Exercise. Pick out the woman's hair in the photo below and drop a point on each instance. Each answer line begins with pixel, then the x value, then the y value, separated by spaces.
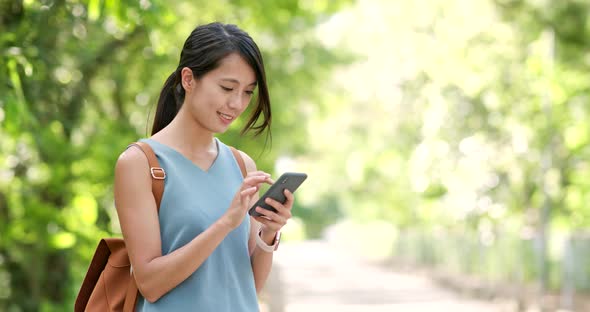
pixel 202 52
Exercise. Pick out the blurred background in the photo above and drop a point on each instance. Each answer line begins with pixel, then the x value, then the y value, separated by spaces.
pixel 447 145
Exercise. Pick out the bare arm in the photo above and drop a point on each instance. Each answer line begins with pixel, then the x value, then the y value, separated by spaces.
pixel 261 260
pixel 156 274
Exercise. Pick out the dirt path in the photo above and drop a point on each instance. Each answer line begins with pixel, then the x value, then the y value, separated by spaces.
pixel 316 277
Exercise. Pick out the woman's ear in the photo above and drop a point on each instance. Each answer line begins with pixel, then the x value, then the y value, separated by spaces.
pixel 187 79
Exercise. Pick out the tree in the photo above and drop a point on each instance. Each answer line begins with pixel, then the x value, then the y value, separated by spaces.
pixel 458 117
pixel 78 79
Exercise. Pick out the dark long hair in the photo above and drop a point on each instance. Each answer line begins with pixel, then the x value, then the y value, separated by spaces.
pixel 202 52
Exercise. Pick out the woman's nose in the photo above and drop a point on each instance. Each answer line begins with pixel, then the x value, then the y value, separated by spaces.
pixel 235 101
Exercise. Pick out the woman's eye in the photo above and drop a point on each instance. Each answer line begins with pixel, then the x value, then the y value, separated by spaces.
pixel 226 88
pixel 249 92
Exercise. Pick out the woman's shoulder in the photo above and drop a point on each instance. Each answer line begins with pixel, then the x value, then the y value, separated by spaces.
pixel 131 159
pixel 248 161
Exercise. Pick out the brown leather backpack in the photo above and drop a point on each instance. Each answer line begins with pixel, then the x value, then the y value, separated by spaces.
pixel 109 284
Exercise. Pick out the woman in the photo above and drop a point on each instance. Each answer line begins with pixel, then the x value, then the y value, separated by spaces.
pixel 201 250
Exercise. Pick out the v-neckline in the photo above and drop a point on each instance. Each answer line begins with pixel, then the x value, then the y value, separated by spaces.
pixel 179 154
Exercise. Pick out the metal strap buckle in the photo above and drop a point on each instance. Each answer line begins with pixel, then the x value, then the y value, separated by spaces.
pixel 161 173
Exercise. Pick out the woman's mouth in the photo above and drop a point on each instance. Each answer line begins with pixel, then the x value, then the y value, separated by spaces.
pixel 225 117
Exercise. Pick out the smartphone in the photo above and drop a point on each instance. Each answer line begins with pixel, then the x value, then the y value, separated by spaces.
pixel 288 180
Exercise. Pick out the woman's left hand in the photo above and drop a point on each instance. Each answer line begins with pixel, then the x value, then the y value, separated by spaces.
pixel 272 222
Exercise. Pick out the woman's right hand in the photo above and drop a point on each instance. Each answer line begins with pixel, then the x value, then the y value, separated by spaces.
pixel 243 198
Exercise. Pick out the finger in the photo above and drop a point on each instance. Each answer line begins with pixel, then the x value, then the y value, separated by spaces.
pixel 256 180
pixel 249 191
pixel 249 184
pixel 290 199
pixel 257 173
pixel 273 203
pixel 261 173
pixel 272 216
pixel 273 226
pixel 282 209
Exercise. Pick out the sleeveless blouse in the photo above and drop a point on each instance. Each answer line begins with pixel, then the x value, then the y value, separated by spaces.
pixel 193 200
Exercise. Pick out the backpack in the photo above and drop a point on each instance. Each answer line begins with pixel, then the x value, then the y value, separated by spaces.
pixel 109 284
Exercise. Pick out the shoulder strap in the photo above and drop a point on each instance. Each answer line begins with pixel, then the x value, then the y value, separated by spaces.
pixel 240 160
pixel 158 174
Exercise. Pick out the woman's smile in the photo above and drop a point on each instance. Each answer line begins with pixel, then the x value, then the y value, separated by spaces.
pixel 225 118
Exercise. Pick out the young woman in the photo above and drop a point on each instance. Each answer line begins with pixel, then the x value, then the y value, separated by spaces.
pixel 201 252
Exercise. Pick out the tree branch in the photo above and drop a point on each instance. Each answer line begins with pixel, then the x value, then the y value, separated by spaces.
pixel 89 70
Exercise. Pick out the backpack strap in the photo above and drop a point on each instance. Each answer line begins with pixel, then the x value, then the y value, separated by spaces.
pixel 99 261
pixel 113 249
pixel 240 161
pixel 158 174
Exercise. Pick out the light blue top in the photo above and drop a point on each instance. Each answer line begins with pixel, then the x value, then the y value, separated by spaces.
pixel 194 199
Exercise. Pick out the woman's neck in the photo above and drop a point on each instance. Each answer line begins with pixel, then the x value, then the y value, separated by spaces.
pixel 185 134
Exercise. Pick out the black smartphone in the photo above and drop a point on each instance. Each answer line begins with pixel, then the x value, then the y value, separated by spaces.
pixel 288 180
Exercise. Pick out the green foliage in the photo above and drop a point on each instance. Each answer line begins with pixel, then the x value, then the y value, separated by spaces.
pixel 78 80
pixel 465 117
pixel 470 116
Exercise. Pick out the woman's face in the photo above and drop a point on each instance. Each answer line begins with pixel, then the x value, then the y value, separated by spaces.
pixel 220 96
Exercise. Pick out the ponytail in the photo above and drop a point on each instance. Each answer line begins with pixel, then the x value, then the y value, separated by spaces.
pixel 169 103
